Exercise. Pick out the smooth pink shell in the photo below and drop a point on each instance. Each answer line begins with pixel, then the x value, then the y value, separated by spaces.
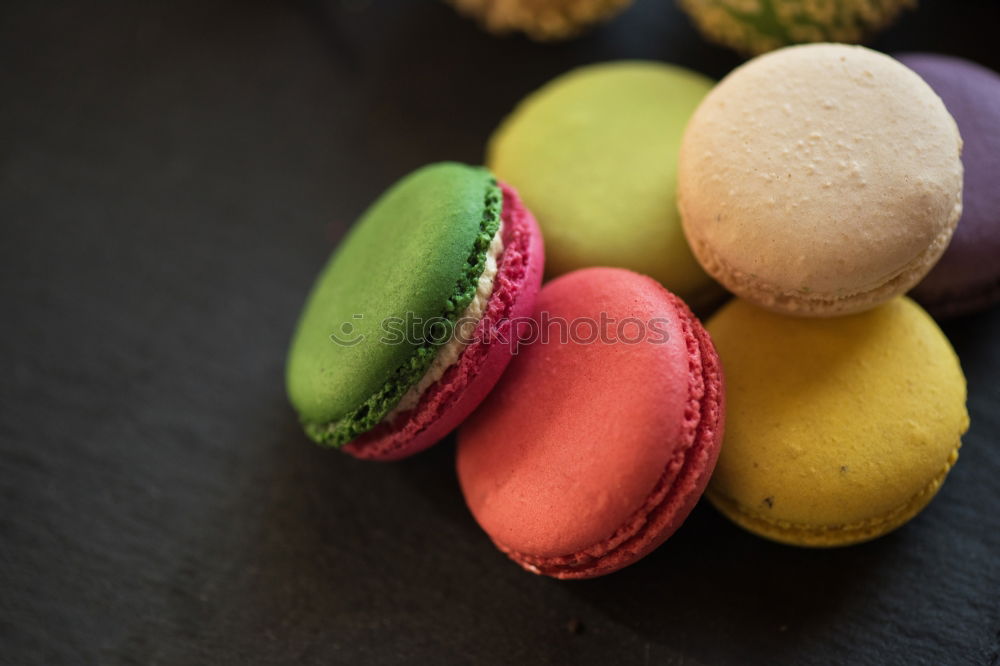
pixel 589 455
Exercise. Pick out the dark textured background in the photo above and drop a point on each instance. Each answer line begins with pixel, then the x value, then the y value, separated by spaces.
pixel 172 175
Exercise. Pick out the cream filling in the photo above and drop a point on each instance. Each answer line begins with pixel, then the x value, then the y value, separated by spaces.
pixel 466 323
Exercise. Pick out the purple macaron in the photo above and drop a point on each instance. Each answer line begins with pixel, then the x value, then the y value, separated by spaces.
pixel 967 278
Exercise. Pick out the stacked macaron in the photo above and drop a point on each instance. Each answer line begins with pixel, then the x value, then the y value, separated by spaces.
pixel 820 180
pixel 817 183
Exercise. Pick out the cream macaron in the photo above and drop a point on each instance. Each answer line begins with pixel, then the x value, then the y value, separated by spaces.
pixel 820 180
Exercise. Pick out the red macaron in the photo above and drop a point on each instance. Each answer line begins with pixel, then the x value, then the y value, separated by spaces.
pixel 601 436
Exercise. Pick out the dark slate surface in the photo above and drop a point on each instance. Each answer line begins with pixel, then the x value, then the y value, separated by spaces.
pixel 172 174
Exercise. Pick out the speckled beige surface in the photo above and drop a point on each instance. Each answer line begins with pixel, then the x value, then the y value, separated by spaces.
pixel 820 180
pixel 542 20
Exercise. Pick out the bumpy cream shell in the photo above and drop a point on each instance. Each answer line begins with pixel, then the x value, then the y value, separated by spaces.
pixel 820 180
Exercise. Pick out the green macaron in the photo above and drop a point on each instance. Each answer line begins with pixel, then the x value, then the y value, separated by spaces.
pixel 594 155
pixel 416 255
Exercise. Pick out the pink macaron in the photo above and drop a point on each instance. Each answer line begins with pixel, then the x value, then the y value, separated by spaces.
pixel 601 436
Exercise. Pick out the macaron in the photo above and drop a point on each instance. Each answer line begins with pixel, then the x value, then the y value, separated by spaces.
pixel 542 20
pixel 601 436
pixel 408 326
pixel 838 430
pixel 820 180
pixel 763 25
pixel 594 154
pixel 967 278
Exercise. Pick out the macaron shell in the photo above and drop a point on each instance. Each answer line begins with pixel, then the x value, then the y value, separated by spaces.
pixel 597 146
pixel 807 535
pixel 838 430
pixel 820 179
pixel 561 462
pixel 408 256
pixel 450 400
pixel 679 488
pixel 967 278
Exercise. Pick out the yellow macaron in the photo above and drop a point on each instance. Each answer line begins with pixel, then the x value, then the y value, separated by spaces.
pixel 837 430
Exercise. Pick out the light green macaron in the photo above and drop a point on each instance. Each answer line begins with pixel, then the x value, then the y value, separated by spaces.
pixel 593 154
